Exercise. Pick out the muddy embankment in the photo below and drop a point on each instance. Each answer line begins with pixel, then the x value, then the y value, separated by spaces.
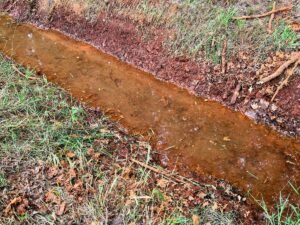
pixel 120 37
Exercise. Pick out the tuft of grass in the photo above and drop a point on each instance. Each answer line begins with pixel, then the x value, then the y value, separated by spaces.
pixel 284 211
pixel 3 181
pixel 285 38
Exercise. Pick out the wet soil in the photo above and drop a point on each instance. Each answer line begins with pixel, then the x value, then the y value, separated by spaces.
pixel 120 37
pixel 189 132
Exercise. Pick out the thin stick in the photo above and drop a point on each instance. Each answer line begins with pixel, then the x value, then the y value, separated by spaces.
pixel 280 70
pixel 271 18
pixel 235 94
pixel 176 178
pixel 265 14
pixel 22 74
pixel 286 80
pixel 224 56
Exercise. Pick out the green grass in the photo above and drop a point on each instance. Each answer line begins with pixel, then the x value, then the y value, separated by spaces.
pixel 285 38
pixel 39 120
pixel 284 212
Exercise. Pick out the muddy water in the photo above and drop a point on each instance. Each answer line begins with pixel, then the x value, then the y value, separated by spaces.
pixel 207 137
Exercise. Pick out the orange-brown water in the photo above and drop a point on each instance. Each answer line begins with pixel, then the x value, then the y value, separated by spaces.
pixel 206 136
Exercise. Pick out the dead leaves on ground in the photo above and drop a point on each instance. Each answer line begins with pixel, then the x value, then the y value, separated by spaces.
pixel 19 204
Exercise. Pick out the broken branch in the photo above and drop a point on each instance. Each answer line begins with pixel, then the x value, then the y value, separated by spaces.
pixel 286 80
pixel 176 178
pixel 235 94
pixel 271 18
pixel 224 56
pixel 281 69
pixel 265 14
pixel 22 74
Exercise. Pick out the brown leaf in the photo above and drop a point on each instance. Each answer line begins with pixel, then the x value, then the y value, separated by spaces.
pixel 215 206
pixel 11 204
pixel 90 152
pixel 52 172
pixel 97 155
pixel 202 195
pixel 162 183
pixel 72 173
pixel 226 138
pixel 21 209
pixel 51 197
pixel 78 186
pixel 70 154
pixel 196 220
pixel 61 209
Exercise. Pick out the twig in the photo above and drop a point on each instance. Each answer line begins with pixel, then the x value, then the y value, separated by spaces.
pixel 235 94
pixel 271 18
pixel 281 69
pixel 224 56
pixel 264 14
pixel 286 80
pixel 12 5
pixel 22 74
pixel 176 178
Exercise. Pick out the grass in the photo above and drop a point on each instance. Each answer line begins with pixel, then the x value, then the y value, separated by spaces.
pixel 285 38
pixel 42 129
pixel 284 212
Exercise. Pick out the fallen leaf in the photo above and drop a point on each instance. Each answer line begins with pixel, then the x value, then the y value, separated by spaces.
pixel 226 138
pixel 215 207
pixel 11 204
pixel 97 155
pixel 52 172
pixel 196 220
pixel 70 154
pixel 202 195
pixel 61 209
pixel 162 183
pixel 22 208
pixel 72 173
pixel 90 152
pixel 205 204
pixel 51 197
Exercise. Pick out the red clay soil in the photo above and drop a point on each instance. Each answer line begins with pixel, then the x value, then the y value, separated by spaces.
pixel 119 37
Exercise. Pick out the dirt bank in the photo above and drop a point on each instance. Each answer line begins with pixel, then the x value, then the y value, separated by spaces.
pixel 121 36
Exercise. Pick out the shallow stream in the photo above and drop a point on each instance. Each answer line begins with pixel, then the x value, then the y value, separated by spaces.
pixel 207 137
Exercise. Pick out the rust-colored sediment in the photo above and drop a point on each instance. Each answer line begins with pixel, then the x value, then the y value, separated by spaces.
pixel 207 137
